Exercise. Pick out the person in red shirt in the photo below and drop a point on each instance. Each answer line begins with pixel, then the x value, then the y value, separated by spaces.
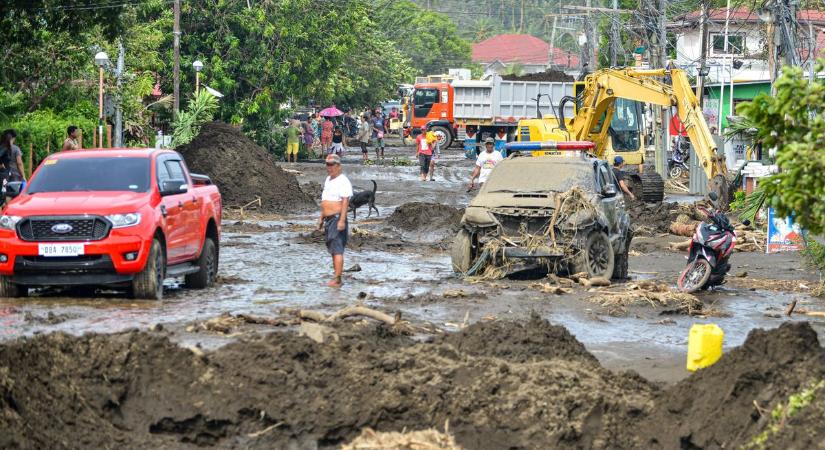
pixel 424 153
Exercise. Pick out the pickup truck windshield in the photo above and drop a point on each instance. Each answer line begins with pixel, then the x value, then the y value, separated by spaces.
pixel 92 174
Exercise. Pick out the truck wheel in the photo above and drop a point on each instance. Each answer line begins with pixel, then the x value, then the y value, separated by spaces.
pixel 621 260
pixel 208 264
pixel 445 138
pixel 596 258
pixel 461 252
pixel 11 290
pixel 653 187
pixel 148 284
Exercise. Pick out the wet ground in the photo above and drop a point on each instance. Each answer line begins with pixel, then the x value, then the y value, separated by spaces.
pixel 270 265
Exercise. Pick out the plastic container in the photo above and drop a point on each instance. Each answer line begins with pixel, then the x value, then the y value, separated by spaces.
pixel 704 346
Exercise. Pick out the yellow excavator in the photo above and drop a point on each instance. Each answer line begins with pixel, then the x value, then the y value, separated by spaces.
pixel 607 111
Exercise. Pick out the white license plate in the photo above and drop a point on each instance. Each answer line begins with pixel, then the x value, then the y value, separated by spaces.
pixel 61 249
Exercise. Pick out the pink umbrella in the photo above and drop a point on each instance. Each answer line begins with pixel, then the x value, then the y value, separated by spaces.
pixel 332 111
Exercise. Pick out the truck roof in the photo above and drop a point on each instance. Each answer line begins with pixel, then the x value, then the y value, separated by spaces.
pixel 111 153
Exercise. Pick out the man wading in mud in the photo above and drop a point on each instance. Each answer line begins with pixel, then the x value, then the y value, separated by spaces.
pixel 485 163
pixel 334 204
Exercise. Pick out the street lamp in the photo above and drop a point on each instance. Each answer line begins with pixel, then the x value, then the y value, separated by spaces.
pixel 101 59
pixel 198 66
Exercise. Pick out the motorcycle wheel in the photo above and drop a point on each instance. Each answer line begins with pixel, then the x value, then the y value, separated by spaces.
pixel 695 276
pixel 676 172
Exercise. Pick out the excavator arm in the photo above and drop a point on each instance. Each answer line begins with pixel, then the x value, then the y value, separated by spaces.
pixel 602 88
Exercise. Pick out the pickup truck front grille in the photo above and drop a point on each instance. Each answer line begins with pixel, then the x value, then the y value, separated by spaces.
pixel 50 229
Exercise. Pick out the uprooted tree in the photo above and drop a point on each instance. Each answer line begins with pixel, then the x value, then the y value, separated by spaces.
pixel 791 122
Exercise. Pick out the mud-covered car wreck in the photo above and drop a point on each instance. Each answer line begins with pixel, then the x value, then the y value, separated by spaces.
pixel 559 212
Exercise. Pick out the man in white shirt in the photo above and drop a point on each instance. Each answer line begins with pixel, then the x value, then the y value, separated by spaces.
pixel 485 163
pixel 333 220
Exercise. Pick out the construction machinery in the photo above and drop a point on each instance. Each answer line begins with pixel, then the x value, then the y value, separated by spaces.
pixel 607 111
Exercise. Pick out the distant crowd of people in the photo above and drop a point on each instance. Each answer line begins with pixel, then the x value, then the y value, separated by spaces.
pixel 328 135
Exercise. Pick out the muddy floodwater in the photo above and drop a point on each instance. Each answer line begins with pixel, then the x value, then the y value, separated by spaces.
pixel 269 265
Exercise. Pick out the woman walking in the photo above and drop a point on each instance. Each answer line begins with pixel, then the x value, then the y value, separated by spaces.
pixel 326 134
pixel 337 142
pixel 308 137
pixel 11 157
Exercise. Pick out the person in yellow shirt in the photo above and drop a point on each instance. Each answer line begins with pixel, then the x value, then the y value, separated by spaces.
pixel 432 140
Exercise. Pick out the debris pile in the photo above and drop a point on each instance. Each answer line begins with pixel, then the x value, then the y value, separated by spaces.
pixel 245 173
pixel 657 295
pixel 414 440
pixel 548 75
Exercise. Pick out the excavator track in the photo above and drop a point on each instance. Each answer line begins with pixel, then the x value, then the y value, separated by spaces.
pixel 653 187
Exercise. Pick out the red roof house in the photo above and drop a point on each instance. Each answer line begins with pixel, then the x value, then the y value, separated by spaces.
pixel 521 49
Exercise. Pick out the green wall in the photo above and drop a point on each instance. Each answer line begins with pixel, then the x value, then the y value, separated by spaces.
pixel 740 92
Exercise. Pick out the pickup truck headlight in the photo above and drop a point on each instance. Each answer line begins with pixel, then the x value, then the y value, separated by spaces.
pixel 124 220
pixel 9 222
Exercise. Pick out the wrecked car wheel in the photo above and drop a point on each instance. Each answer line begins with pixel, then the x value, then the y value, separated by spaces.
pixel 596 257
pixel 621 259
pixel 461 251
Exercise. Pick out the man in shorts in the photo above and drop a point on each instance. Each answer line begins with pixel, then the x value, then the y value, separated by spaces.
pixel 334 204
pixel 485 163
pixel 292 142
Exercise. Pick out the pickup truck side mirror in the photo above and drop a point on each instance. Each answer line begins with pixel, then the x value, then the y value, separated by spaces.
pixel 609 190
pixel 14 188
pixel 173 187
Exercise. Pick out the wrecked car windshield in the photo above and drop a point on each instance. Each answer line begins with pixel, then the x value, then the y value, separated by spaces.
pixel 533 176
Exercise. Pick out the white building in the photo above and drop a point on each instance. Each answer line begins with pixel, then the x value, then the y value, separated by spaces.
pixel 747 43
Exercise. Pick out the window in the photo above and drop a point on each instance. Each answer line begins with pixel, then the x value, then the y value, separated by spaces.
pixel 736 44
pixel 424 96
pixel 163 174
pixel 92 175
pixel 175 169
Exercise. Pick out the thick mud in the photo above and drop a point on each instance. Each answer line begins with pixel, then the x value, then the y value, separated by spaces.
pixel 527 385
pixel 244 171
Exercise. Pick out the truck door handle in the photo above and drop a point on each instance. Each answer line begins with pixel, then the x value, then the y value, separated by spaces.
pixel 163 211
pixel 180 204
pixel 194 200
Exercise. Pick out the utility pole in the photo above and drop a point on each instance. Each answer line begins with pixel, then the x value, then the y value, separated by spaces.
pixel 119 97
pixel 553 41
pixel 661 150
pixel 703 56
pixel 614 35
pixel 176 46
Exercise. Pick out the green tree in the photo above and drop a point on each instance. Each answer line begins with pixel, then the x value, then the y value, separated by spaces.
pixel 791 121
pixel 429 39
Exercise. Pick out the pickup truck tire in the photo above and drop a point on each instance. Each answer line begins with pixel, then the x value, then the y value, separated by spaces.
pixel 596 257
pixel 621 260
pixel 461 252
pixel 208 264
pixel 148 284
pixel 11 290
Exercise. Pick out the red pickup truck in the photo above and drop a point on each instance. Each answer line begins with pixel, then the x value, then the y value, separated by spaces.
pixel 128 218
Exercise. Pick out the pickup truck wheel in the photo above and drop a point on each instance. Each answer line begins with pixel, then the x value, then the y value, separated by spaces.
pixel 11 290
pixel 596 258
pixel 461 252
pixel 148 284
pixel 621 259
pixel 208 264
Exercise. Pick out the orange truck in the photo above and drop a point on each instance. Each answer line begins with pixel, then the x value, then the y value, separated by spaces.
pixel 448 107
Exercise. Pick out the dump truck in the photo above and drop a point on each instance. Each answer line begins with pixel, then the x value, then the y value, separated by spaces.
pixel 447 108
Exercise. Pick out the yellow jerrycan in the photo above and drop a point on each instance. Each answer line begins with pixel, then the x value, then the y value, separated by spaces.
pixel 704 346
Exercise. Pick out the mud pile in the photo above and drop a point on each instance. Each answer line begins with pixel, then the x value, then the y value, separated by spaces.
pixel 717 406
pixel 243 170
pixel 548 75
pixel 432 221
pixel 501 385
pixel 652 217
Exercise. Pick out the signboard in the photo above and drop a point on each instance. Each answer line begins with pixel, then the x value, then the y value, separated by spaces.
pixel 783 234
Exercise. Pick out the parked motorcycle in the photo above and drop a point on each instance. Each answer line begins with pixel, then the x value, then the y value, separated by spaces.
pixel 677 165
pixel 709 250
